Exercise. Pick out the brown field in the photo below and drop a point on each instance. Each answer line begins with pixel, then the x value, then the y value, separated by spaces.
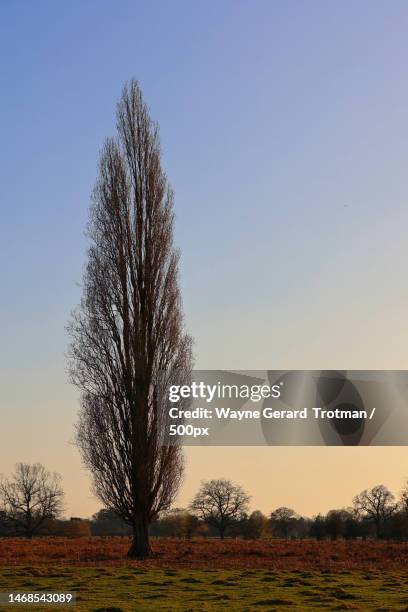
pixel 210 553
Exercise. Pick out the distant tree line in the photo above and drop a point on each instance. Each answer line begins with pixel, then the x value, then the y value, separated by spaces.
pixel 220 509
pixel 375 513
pixel 31 503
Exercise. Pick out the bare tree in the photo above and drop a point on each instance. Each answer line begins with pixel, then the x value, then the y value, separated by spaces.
pixel 220 503
pixel 32 496
pixel 128 330
pixel 375 505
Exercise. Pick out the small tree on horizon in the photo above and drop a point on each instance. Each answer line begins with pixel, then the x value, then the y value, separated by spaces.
pixel 129 330
pixel 220 503
pixel 377 506
pixel 281 520
pixel 254 526
pixel 403 501
pixel 31 497
pixel 338 521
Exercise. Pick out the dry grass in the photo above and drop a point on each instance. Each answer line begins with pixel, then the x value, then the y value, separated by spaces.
pixel 210 553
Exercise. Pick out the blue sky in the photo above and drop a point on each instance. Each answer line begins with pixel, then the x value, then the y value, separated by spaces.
pixel 285 136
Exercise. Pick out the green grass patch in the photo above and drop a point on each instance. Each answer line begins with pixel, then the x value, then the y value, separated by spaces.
pixel 127 589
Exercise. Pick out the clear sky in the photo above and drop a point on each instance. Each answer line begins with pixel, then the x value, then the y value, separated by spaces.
pixel 285 136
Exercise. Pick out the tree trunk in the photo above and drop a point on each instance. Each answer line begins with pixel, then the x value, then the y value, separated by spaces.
pixel 140 547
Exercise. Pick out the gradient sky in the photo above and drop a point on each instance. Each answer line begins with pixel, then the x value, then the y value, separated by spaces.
pixel 285 136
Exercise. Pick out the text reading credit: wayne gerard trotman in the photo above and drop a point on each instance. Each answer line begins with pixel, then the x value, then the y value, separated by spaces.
pixel 295 407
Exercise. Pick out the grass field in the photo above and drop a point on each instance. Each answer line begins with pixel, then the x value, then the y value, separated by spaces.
pixel 207 575
pixel 138 589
